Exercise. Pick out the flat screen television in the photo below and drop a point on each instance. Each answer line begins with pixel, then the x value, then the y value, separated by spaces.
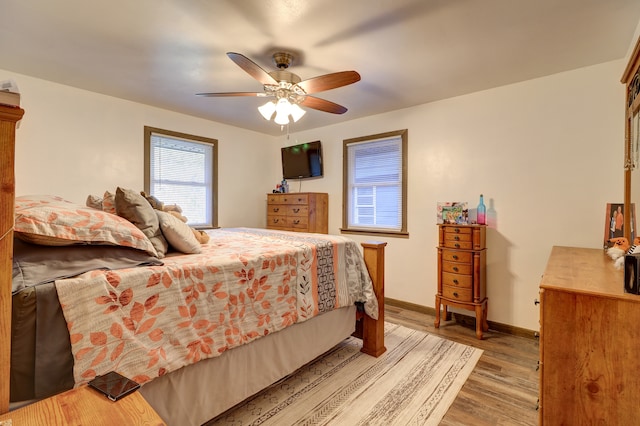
pixel 302 161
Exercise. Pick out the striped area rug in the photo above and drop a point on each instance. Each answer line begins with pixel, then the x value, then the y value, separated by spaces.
pixel 413 383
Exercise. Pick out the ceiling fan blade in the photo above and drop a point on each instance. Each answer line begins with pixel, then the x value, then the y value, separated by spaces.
pixel 329 81
pixel 323 105
pixel 251 68
pixel 259 94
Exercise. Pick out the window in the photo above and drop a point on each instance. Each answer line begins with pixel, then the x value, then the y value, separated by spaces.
pixel 375 184
pixel 182 169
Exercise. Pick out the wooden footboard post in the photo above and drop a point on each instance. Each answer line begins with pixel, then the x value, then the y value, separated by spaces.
pixel 9 116
pixel 373 330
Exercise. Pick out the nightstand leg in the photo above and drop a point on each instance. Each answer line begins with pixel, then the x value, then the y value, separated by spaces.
pixel 437 322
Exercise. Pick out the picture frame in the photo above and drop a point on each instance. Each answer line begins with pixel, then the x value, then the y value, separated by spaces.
pixel 614 223
pixel 453 212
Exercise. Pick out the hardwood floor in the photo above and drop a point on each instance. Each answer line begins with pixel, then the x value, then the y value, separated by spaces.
pixel 502 389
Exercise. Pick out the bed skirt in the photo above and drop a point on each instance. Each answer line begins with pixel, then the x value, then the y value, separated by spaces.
pixel 199 392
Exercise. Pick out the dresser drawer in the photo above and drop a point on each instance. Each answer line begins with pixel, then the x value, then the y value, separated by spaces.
pixel 459 294
pixel 297 222
pixel 458 240
pixel 457 268
pixel 276 221
pixel 457 230
pixel 297 211
pixel 457 280
pixel 277 209
pixel 457 256
pixel 295 199
pixel 275 198
pixel 462 245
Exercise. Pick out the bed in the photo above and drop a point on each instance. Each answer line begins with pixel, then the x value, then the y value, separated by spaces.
pixel 186 316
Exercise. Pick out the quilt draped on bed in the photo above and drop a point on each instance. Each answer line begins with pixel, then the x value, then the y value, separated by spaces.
pixel 145 322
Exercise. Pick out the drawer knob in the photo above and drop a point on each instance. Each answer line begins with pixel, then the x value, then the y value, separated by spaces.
pixel 456 229
pixel 299 200
pixel 276 220
pixel 457 238
pixel 295 222
pixel 276 209
pixel 457 245
pixel 455 268
pixel 455 257
pixel 296 210
pixel 456 281
pixel 455 294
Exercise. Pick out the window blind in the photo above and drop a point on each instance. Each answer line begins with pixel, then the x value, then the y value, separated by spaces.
pixel 375 184
pixel 182 174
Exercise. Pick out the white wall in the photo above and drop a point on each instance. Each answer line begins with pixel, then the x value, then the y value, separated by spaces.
pixel 73 143
pixel 547 155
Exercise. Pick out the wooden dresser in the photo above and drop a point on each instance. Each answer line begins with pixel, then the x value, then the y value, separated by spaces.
pixel 462 272
pixel 589 341
pixel 298 211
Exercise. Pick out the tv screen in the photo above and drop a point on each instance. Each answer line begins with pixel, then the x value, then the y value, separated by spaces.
pixel 302 161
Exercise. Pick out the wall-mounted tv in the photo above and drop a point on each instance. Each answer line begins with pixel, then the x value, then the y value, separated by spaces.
pixel 302 161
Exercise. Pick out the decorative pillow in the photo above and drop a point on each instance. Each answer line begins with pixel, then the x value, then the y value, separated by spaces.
pixel 38 264
pixel 109 202
pixel 53 221
pixel 178 234
pixel 94 202
pixel 137 210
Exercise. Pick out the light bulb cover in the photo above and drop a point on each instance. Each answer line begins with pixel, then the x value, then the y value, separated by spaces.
pixel 281 118
pixel 267 110
pixel 297 112
pixel 283 106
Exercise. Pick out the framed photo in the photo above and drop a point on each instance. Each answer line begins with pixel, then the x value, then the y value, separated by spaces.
pixel 453 212
pixel 614 223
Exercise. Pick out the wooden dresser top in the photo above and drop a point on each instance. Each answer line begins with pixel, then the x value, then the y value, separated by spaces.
pixel 584 270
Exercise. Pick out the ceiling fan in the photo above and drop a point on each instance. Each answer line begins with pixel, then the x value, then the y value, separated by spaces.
pixel 289 90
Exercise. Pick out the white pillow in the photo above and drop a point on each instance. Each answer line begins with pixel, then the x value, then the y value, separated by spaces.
pixel 179 235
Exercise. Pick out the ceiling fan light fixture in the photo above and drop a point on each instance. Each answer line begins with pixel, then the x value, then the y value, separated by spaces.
pixel 283 109
pixel 288 89
pixel 283 106
pixel 281 119
pixel 297 112
pixel 267 110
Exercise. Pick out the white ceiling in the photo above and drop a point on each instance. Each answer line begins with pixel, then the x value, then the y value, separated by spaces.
pixel 408 52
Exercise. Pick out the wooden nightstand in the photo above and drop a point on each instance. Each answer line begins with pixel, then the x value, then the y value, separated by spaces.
pixel 461 272
pixel 85 406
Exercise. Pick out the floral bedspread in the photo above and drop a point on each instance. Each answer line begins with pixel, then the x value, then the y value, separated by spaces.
pixel 145 322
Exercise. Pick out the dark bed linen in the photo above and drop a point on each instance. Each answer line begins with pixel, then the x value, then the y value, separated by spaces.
pixel 35 264
pixel 51 371
pixel 37 316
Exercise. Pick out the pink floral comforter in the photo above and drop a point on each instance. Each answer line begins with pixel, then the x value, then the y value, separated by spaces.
pixel 145 322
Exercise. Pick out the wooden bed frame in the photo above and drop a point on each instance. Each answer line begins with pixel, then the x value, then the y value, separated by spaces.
pixel 369 330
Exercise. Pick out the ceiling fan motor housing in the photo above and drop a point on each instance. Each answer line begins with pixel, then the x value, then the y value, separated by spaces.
pixel 283 60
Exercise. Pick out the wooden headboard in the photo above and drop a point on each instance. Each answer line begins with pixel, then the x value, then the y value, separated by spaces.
pixel 9 116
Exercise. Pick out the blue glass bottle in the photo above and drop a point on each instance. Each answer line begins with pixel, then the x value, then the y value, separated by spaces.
pixel 482 212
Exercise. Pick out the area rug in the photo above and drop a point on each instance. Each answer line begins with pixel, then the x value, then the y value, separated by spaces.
pixel 413 383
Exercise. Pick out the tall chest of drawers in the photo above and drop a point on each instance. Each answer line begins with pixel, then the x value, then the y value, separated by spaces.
pixel 462 272
pixel 298 211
